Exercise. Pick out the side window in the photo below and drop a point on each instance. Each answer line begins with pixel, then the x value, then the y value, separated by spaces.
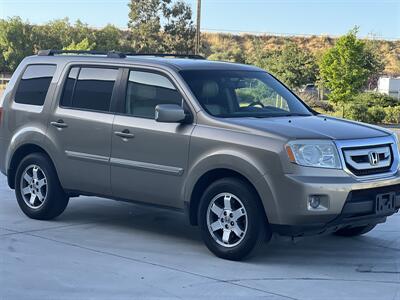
pixel 89 88
pixel 146 90
pixel 34 84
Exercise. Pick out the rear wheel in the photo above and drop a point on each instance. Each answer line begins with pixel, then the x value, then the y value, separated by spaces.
pixel 37 188
pixel 232 219
pixel 354 231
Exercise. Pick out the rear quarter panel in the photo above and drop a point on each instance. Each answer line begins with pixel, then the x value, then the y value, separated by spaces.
pixel 22 123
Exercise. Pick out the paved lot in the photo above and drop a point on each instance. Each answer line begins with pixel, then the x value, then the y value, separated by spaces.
pixel 101 249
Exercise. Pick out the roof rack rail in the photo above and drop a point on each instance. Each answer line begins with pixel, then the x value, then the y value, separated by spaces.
pixel 115 54
pixel 52 52
pixel 192 56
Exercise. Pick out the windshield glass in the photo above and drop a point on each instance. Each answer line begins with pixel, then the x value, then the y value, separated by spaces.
pixel 229 94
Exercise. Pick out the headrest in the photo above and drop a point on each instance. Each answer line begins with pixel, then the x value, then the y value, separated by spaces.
pixel 210 89
pixel 146 91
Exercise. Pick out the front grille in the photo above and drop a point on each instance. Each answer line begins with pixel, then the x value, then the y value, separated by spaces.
pixel 364 161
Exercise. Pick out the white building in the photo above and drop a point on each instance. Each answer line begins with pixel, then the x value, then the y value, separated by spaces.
pixel 389 86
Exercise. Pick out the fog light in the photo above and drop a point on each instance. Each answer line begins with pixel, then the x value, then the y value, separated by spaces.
pixel 314 201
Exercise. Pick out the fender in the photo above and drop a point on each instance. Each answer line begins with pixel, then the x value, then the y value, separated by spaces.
pixel 238 162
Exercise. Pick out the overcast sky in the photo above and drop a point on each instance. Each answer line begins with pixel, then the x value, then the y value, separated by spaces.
pixel 333 17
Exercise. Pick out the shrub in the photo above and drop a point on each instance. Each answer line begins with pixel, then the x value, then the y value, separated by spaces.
pixel 392 114
pixel 359 111
pixel 375 114
pixel 372 99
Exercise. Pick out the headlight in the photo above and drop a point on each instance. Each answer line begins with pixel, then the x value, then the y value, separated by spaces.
pixel 320 154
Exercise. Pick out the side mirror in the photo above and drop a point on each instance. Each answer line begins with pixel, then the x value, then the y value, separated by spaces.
pixel 169 113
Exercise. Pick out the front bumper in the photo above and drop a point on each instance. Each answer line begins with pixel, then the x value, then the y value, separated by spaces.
pixel 350 202
pixel 358 210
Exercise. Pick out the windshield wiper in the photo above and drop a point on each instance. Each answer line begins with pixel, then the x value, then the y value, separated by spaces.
pixel 292 115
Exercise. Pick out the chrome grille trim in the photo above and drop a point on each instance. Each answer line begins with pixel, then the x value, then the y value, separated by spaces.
pixel 360 144
pixel 351 154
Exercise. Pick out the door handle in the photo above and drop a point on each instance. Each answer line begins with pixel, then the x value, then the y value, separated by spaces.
pixel 59 124
pixel 125 134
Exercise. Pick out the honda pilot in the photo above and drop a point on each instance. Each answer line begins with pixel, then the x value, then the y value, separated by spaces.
pixel 227 144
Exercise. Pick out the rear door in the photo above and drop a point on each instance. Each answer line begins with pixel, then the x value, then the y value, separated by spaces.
pixel 149 158
pixel 81 126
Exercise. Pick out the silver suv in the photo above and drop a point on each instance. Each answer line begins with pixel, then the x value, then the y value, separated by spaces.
pixel 227 144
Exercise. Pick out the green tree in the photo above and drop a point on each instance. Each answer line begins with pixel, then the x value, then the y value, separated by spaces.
pixel 81 31
pixel 108 38
pixel 175 33
pixel 145 25
pixel 293 65
pixel 60 34
pixel 179 31
pixel 56 34
pixel 15 43
pixel 82 45
pixel 345 68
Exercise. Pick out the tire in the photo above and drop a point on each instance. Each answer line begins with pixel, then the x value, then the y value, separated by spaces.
pixel 354 231
pixel 37 188
pixel 244 224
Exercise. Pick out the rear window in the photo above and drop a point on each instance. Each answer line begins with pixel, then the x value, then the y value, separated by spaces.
pixel 34 84
pixel 89 88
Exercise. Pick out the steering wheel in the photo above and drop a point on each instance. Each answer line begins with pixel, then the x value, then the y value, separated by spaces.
pixel 254 103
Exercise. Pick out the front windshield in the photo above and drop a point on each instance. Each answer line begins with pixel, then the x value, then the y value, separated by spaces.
pixel 230 94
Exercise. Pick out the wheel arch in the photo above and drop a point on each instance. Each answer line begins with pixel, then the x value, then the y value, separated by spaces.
pixel 17 156
pixel 206 179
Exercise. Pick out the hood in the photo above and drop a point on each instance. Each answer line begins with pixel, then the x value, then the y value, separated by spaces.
pixel 311 127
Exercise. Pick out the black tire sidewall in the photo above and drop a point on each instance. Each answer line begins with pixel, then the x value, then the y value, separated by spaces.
pixel 56 200
pixel 256 221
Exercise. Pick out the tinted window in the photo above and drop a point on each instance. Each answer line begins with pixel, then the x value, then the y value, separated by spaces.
pixel 34 84
pixel 146 90
pixel 89 88
pixel 69 87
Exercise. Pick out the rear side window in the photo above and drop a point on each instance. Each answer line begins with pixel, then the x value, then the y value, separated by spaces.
pixel 34 84
pixel 146 90
pixel 89 88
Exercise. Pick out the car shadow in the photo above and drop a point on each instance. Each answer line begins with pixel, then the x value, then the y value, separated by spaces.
pixel 123 216
pixel 328 250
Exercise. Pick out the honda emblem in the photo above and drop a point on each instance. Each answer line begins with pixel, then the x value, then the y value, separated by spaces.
pixel 373 158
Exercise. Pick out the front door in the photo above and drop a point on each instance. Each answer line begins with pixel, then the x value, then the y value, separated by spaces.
pixel 149 158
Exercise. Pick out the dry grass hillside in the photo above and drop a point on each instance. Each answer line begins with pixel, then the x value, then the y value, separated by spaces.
pixel 316 44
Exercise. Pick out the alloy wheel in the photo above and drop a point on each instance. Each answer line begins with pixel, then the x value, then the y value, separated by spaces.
pixel 34 186
pixel 227 219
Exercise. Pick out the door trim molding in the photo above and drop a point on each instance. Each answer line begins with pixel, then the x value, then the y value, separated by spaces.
pixel 87 157
pixel 125 163
pixel 146 166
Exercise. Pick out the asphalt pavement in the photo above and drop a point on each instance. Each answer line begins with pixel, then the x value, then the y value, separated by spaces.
pixel 103 249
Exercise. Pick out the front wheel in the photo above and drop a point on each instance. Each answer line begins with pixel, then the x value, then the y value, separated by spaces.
pixel 37 188
pixel 232 219
pixel 354 231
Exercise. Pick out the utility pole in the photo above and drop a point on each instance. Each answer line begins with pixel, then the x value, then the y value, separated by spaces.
pixel 197 45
